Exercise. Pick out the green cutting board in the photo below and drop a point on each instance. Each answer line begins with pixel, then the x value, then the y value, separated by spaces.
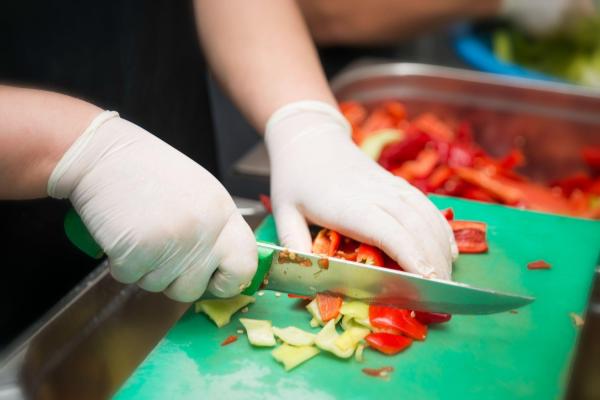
pixel 503 356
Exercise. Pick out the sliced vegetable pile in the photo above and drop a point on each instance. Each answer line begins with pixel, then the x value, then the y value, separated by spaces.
pixel 442 157
pixel 388 330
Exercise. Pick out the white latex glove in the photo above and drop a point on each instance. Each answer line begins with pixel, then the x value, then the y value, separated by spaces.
pixel 544 16
pixel 318 173
pixel 163 220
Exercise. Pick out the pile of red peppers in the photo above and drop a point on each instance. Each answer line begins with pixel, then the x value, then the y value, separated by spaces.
pixel 441 157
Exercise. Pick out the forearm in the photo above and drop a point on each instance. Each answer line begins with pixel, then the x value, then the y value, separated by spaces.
pixel 376 22
pixel 36 128
pixel 262 54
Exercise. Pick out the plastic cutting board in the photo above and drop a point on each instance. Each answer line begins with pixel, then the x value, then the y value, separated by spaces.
pixel 502 356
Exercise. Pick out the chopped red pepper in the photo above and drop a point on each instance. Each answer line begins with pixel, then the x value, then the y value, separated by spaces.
pixel 388 343
pixel 266 202
pixel 438 177
pixel 513 159
pixel 505 193
pixel 229 340
pixel 422 167
pixel 369 255
pixel 434 127
pixel 327 242
pixel 394 154
pixel 396 110
pixel 540 264
pixel 378 372
pixel 591 156
pixel 329 306
pixel 354 112
pixel 298 296
pixel 470 236
pixel 397 320
pixel 448 213
pixel 428 318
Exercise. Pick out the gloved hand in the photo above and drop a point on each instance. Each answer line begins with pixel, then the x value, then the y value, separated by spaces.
pixel 318 173
pixel 163 220
pixel 543 16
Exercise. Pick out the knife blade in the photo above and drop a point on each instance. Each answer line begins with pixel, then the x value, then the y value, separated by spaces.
pixel 309 274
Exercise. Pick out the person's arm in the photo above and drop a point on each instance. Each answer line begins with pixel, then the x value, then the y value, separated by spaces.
pixel 378 22
pixel 36 128
pixel 164 221
pixel 260 51
pixel 262 54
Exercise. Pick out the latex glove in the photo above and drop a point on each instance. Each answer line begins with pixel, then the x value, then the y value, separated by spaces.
pixel 163 220
pixel 544 16
pixel 318 173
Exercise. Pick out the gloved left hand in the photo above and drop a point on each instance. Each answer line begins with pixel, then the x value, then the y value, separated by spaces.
pixel 317 173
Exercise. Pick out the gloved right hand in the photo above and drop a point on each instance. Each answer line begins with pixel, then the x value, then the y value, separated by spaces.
pixel 543 16
pixel 163 220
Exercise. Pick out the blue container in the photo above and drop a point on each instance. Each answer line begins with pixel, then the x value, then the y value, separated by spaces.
pixel 475 48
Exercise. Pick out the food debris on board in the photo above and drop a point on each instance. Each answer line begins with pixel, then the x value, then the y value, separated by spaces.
pixel 229 340
pixel 540 264
pixel 440 156
pixel 577 319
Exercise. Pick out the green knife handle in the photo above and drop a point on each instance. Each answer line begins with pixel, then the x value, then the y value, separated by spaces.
pixel 78 234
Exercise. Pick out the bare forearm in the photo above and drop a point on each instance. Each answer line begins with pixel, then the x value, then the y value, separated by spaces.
pixel 376 22
pixel 36 128
pixel 262 54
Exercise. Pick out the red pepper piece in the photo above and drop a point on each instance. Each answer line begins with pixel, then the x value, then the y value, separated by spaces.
pixel 513 159
pixel 470 236
pixel 396 110
pixel 390 263
pixel 229 340
pixel 394 154
pixel 464 132
pixel 369 255
pixel 397 320
pixel 422 167
pixel 327 242
pixel 388 343
pixel 354 112
pixel 473 193
pixel 580 180
pixel 540 264
pixel 459 155
pixel 378 372
pixel 298 296
pixel 428 318
pixel 329 306
pixel 506 193
pixel 266 202
pixel 448 213
pixel 434 127
pixel 591 156
pixel 438 177
pixel 378 119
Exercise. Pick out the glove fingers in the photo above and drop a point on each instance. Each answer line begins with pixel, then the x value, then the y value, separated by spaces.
pixel 236 247
pixel 192 284
pixel 406 216
pixel 292 228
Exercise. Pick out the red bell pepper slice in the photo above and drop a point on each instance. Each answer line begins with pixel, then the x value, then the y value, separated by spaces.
pixel 327 242
pixel 448 213
pixel 438 177
pixel 329 306
pixel 429 318
pixel 266 202
pixel 540 264
pixel 513 159
pixel 504 192
pixel 298 296
pixel 378 372
pixel 388 343
pixel 229 340
pixel 378 119
pixel 470 236
pixel 369 255
pixel 397 320
pixel 591 156
pixel 394 154
pixel 580 180
pixel 354 112
pixel 422 167
pixel 396 110
pixel 434 127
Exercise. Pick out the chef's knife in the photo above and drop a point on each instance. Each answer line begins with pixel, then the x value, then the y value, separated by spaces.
pixel 307 274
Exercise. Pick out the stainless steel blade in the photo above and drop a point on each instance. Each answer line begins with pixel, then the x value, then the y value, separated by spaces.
pixel 309 274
